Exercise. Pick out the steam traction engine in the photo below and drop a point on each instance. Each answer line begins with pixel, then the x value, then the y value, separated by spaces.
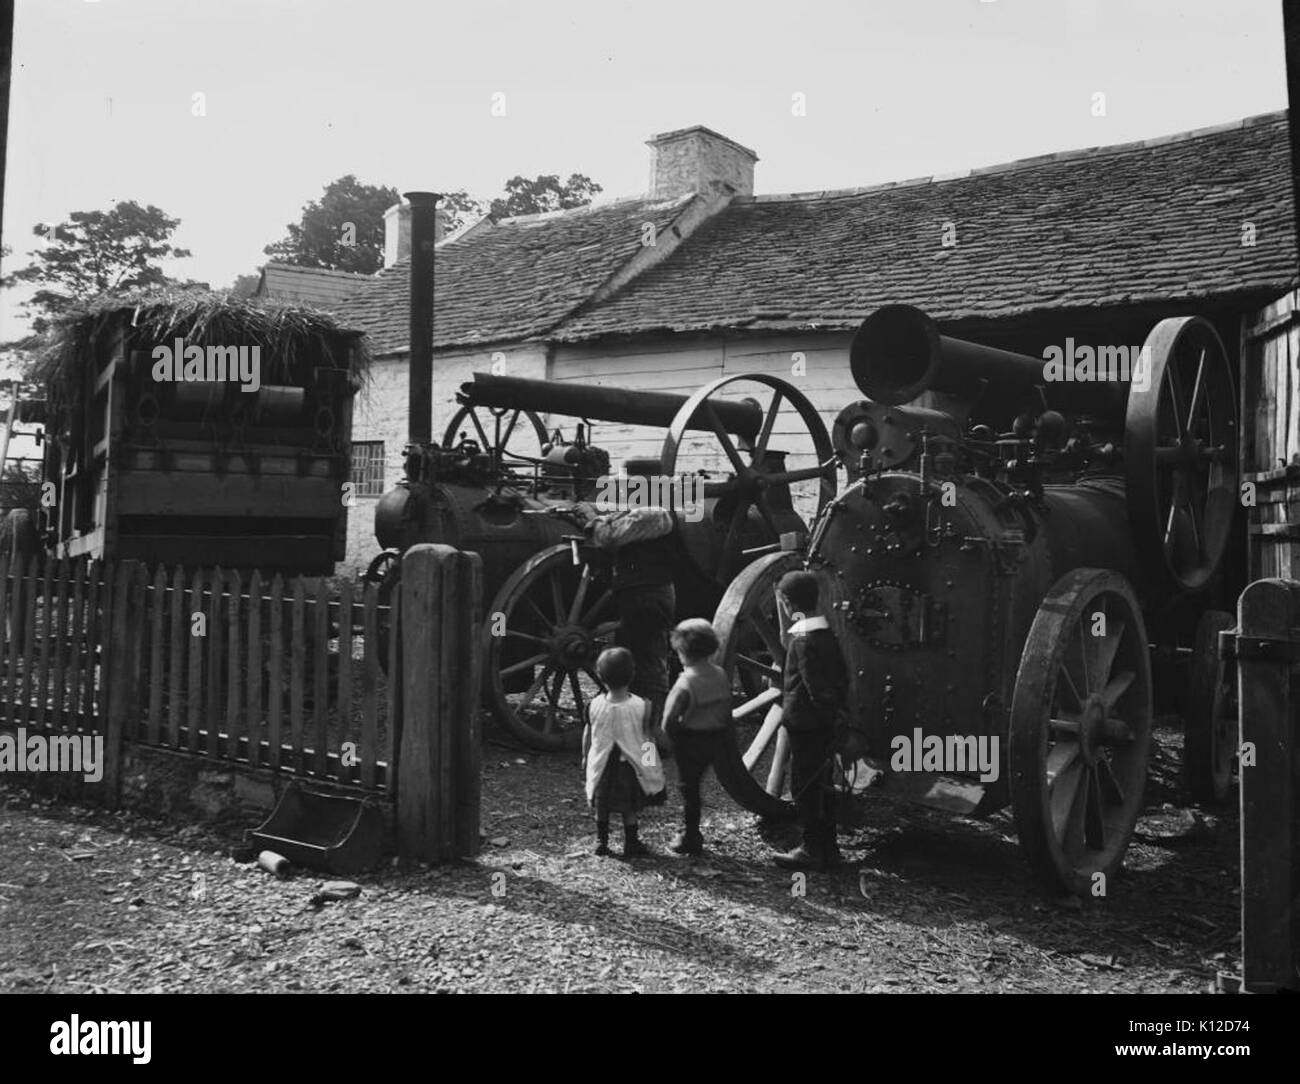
pixel 1006 578
pixel 498 484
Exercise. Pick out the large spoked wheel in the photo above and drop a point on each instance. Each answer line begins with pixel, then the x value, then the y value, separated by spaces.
pixel 759 478
pixel 541 637
pixel 754 769
pixel 1080 729
pixel 1210 734
pixel 1180 453
pixel 383 566
pixel 507 433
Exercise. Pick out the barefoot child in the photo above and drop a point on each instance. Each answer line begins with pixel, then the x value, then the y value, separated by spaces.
pixel 621 761
pixel 696 717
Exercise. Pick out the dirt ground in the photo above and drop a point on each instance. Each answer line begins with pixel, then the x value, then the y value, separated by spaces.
pixel 927 902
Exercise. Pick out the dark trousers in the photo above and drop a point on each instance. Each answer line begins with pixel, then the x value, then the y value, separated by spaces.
pixel 647 615
pixel 810 786
pixel 695 751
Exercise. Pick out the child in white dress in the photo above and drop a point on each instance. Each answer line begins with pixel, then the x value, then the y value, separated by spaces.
pixel 621 761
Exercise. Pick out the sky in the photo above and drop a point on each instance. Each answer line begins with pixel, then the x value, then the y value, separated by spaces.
pixel 299 92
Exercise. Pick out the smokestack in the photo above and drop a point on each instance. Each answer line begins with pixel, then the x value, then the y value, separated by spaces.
pixel 424 211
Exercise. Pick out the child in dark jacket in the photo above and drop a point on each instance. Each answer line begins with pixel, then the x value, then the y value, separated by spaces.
pixel 816 686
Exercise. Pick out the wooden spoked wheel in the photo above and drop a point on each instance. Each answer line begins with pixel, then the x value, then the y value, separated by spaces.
pixel 1180 453
pixel 1210 736
pixel 508 434
pixel 1080 729
pixel 754 770
pixel 541 637
pixel 748 505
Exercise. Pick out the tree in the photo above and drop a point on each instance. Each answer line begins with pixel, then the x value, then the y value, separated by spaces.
pixel 95 252
pixel 456 209
pixel 544 193
pixel 343 230
pixel 245 285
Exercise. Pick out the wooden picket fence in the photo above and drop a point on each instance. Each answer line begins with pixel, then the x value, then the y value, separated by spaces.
pixel 278 674
pixel 282 677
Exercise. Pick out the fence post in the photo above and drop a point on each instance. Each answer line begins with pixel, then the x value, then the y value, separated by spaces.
pixel 1267 640
pixel 462 625
pixel 438 776
pixel 120 672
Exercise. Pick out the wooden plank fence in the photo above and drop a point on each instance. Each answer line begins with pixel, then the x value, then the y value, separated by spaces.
pixel 288 676
pixel 206 662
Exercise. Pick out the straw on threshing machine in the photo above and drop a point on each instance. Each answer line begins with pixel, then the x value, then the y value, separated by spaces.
pixel 500 486
pixel 999 569
pixel 196 471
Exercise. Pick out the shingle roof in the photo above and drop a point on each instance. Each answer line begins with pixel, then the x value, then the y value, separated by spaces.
pixel 314 285
pixel 1154 221
pixel 514 281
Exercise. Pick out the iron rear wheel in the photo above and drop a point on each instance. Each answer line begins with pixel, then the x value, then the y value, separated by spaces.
pixel 750 651
pixel 1180 454
pixel 1210 733
pixel 541 637
pixel 1080 729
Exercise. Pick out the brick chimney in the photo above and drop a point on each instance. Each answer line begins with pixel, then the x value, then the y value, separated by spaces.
pixel 397 232
pixel 691 159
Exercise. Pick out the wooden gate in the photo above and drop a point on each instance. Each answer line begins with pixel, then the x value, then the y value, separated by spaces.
pixel 1266 645
pixel 1266 648
pixel 1270 452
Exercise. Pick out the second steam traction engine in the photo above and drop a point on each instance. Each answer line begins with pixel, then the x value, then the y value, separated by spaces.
pixel 997 568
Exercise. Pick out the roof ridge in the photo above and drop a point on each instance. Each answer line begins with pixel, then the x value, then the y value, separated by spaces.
pixel 590 208
pixel 1020 163
pixel 316 270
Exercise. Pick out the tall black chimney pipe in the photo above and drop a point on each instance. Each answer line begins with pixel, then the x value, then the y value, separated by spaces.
pixel 424 218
